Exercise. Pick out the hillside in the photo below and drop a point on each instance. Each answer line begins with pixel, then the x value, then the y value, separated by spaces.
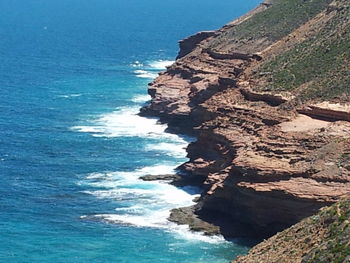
pixel 318 66
pixel 322 238
pixel 268 98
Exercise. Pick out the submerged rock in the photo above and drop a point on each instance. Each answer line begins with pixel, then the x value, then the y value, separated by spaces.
pixel 161 177
pixel 186 216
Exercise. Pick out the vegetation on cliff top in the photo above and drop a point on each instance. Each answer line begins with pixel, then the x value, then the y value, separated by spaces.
pixel 281 18
pixel 322 238
pixel 319 67
pixel 336 244
pixel 278 20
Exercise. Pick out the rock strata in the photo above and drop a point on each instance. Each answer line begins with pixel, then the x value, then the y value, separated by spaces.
pixel 174 179
pixel 187 45
pixel 186 216
pixel 266 158
pixel 161 177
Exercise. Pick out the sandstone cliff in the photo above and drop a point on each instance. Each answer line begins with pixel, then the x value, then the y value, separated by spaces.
pixel 322 238
pixel 268 97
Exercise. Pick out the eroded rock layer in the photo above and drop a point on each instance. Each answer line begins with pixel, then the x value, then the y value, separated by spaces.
pixel 268 157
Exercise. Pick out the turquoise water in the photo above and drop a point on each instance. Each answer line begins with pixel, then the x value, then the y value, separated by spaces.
pixel 73 75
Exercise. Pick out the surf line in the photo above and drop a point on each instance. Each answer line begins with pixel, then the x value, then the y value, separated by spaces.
pixel 141 203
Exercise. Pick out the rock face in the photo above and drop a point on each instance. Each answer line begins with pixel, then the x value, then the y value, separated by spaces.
pixel 321 238
pixel 187 45
pixel 186 216
pixel 162 177
pixel 267 158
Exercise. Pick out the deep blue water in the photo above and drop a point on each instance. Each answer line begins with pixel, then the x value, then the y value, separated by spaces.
pixel 73 74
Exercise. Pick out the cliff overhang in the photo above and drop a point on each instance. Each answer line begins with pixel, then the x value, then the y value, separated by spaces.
pixel 267 155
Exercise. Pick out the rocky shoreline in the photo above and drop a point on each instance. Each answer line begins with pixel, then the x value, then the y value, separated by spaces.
pixel 266 158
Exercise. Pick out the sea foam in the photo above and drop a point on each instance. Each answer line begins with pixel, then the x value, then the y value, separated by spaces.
pixel 69 96
pixel 145 74
pixel 150 70
pixel 126 122
pixel 141 98
pixel 143 204
pixel 147 202
pixel 161 64
pixel 175 149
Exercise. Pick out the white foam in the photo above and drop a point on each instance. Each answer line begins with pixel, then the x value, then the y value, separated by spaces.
pixel 145 204
pixel 69 96
pixel 141 98
pixel 150 71
pixel 170 149
pixel 184 232
pixel 149 170
pixel 98 175
pixel 137 64
pixel 89 129
pixel 154 199
pixel 131 209
pixel 161 64
pixel 125 122
pixel 158 220
pixel 145 74
pixel 138 220
pixel 141 203
pixel 156 170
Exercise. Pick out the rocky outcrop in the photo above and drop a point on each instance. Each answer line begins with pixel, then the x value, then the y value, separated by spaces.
pixel 322 238
pixel 327 111
pixel 186 216
pixel 161 177
pixel 187 45
pixel 265 159
pixel 232 55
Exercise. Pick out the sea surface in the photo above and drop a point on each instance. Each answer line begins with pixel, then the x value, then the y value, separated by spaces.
pixel 73 75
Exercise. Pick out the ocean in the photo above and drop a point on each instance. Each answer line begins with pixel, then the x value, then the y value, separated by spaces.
pixel 73 76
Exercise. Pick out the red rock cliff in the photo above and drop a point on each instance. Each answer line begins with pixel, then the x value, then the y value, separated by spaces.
pixel 266 158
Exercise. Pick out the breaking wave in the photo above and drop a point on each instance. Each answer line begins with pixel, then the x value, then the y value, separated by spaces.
pixel 141 203
pixel 150 70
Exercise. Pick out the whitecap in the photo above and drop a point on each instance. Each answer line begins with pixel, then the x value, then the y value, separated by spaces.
pixel 69 96
pixel 156 170
pixel 150 71
pixel 141 98
pixel 145 74
pixel 98 175
pixel 152 198
pixel 125 122
pixel 170 149
pixel 137 220
pixel 136 64
pixel 140 203
pixel 158 220
pixel 143 204
pixel 160 64
pixel 184 232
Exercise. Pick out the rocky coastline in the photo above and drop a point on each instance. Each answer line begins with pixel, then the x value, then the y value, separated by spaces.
pixel 266 157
